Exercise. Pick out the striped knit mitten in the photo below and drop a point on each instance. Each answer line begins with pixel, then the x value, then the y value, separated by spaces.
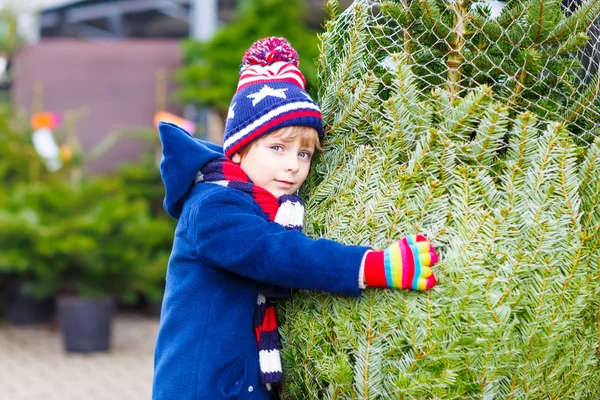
pixel 406 264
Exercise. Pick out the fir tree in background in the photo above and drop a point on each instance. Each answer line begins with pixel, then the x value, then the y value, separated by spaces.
pixel 19 161
pixel 510 198
pixel 211 70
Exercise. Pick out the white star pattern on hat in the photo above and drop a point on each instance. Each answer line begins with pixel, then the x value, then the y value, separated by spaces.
pixel 307 95
pixel 264 92
pixel 230 113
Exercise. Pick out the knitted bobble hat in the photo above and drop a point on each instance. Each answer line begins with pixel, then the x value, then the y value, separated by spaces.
pixel 270 95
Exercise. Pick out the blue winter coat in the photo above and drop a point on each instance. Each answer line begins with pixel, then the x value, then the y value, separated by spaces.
pixel 223 249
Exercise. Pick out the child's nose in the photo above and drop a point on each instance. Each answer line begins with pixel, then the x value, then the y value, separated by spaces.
pixel 291 164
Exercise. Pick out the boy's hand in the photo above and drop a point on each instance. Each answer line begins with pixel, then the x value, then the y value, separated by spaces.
pixel 406 264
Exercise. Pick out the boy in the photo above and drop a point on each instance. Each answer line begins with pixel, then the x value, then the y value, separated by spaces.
pixel 237 242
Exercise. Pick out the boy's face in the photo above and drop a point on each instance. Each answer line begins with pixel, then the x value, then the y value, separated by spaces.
pixel 277 162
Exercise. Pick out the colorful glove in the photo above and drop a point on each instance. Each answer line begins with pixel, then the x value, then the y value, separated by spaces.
pixel 406 264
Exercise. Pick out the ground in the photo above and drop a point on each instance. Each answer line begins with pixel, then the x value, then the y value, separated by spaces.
pixel 34 366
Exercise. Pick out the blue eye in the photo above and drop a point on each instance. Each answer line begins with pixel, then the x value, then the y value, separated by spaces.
pixel 276 147
pixel 305 154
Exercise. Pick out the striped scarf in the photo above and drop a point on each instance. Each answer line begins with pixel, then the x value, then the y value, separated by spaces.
pixel 288 211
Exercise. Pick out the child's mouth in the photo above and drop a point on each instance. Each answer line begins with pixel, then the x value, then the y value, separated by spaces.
pixel 286 183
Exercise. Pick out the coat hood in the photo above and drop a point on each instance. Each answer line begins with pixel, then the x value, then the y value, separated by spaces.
pixel 182 157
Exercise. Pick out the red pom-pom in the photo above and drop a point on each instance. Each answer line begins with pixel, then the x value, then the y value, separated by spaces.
pixel 270 50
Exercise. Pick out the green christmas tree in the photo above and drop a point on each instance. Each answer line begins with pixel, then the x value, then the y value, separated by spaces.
pixel 527 54
pixel 509 198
